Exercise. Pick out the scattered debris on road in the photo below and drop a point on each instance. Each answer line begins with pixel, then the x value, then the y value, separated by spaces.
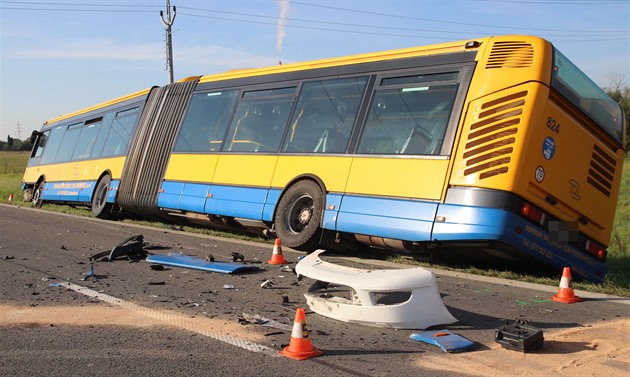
pixel 444 339
pixel 187 261
pixel 258 319
pixel 519 336
pixel 132 248
pixel 267 284
pixel 397 298
pixel 90 273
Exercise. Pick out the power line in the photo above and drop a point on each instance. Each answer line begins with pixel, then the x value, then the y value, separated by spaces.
pixel 149 8
pixel 510 27
pixel 124 8
pixel 467 33
pixel 78 4
pixel 77 7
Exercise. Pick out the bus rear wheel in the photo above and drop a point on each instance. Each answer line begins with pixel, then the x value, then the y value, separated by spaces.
pixel 298 216
pixel 100 207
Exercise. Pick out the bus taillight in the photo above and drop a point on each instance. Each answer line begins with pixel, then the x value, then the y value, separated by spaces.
pixel 533 213
pixel 596 249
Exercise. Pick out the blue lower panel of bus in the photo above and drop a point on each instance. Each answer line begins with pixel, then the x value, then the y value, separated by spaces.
pixel 171 193
pixel 193 197
pixel 245 202
pixel 333 203
pixel 477 223
pixel 68 191
pixel 80 192
pixel 270 204
pixel 113 191
pixel 384 217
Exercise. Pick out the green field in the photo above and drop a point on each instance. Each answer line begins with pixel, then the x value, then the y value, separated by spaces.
pixel 617 281
pixel 12 166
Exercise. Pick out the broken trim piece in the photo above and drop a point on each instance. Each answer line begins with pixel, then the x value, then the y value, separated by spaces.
pixel 424 307
pixel 186 261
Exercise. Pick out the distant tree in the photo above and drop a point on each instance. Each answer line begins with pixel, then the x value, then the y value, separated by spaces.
pixel 620 93
pixel 9 141
pixel 25 145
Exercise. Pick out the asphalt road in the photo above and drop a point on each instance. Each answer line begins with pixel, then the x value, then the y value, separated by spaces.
pixel 129 319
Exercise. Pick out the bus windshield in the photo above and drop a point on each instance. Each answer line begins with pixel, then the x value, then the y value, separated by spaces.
pixel 575 86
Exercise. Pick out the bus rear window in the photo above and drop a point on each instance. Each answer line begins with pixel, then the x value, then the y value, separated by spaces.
pixel 576 87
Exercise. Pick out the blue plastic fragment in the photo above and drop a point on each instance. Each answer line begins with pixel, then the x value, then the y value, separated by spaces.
pixel 90 273
pixel 186 261
pixel 446 340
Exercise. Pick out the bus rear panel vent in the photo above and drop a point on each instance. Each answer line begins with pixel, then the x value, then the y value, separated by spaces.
pixel 601 172
pixel 511 55
pixel 490 141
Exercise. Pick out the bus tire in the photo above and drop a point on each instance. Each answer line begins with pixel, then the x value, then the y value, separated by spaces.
pixel 100 208
pixel 36 199
pixel 298 215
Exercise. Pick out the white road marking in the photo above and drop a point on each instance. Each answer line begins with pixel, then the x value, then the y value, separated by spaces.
pixel 173 320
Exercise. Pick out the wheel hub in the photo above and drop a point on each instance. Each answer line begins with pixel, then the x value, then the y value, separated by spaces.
pixel 305 216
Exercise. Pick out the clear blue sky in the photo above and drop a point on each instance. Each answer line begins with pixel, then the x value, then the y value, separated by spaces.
pixel 64 55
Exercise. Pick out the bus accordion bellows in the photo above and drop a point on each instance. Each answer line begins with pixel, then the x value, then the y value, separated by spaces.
pixel 496 147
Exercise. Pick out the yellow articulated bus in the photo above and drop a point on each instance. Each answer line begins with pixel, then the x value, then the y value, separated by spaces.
pixel 494 147
pixel 79 157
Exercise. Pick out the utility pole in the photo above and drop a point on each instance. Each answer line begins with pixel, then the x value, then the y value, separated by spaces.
pixel 18 128
pixel 168 22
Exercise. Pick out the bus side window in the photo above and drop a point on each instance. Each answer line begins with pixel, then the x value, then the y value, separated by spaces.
pixel 53 141
pixel 409 120
pixel 205 122
pixel 120 133
pixel 260 120
pixel 69 142
pixel 325 117
pixel 87 139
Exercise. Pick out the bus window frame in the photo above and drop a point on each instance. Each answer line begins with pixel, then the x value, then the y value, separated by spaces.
pixel 120 113
pixel 243 98
pixel 464 77
pixel 572 85
pixel 39 143
pixel 358 116
pixel 236 92
pixel 89 153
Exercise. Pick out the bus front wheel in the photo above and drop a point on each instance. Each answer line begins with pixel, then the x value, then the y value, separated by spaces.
pixel 36 199
pixel 298 216
pixel 100 207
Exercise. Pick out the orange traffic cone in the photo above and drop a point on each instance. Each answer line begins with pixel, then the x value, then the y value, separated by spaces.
pixel 277 257
pixel 300 347
pixel 565 291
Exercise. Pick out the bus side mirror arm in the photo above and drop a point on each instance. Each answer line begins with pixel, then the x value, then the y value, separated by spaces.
pixel 34 135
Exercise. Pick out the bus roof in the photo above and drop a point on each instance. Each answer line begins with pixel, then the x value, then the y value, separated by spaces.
pixel 443 48
pixel 99 106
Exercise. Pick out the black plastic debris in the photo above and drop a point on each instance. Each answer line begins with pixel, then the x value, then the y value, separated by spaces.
pixel 131 248
pixel 519 336
pixel 267 284
pixel 238 257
